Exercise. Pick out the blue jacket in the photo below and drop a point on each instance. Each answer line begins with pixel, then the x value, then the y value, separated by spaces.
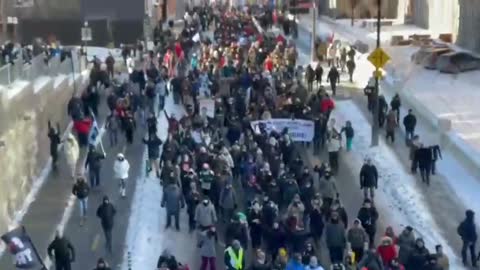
pixel 294 265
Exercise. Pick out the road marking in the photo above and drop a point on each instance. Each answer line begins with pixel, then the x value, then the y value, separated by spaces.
pixel 96 241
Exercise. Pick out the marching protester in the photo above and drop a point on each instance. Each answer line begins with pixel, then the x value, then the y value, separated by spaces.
pixel 81 190
pixel 55 140
pixel 62 251
pixel 121 167
pixel 106 213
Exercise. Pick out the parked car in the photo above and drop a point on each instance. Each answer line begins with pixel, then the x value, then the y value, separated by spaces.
pixel 456 62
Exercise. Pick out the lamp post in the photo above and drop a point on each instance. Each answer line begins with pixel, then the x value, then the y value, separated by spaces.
pixel 376 111
pixel 314 27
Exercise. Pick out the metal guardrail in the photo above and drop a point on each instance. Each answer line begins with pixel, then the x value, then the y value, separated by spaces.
pixel 38 67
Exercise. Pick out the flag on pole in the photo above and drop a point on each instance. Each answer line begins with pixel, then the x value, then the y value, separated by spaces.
pixel 21 247
pixel 94 131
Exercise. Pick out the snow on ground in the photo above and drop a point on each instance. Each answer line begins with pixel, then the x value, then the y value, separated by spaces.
pixel 146 236
pixel 397 193
pixel 40 83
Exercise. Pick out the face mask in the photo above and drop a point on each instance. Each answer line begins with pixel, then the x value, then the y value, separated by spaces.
pixel 205 202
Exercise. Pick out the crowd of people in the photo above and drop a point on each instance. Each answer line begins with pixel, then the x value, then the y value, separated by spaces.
pixel 242 184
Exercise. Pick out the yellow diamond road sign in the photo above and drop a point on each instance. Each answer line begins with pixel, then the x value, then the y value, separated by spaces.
pixel 378 58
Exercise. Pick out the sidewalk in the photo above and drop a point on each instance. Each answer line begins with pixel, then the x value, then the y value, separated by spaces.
pixel 446 199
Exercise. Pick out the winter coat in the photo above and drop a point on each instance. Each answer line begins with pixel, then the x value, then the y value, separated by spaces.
pixel 335 235
pixel 63 250
pixel 153 146
pixel 371 261
pixel 467 229
pixel 424 157
pixel 368 217
pixel 395 104
pixel 120 169
pixel 207 245
pixel 289 191
pixel 333 76
pixel 94 160
pixel 294 265
pixel 417 259
pixel 357 237
pixel 328 188
pixel 409 122
pixel 106 212
pixel 316 221
pixel 391 121
pixel 296 211
pixel 275 238
pixel 71 150
pixel 387 253
pixel 236 231
pixel 273 192
pixel 206 178
pixel 334 144
pixel 228 199
pixel 81 190
pixel 406 242
pixel 205 215
pixel 368 176
pixel 172 198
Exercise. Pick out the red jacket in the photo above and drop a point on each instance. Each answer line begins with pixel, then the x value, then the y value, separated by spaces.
pixel 388 253
pixel 83 126
pixel 268 64
pixel 326 105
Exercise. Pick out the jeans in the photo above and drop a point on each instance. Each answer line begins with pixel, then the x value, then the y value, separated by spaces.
pixel 177 219
pixel 425 174
pixel 161 103
pixel 113 136
pixel 468 246
pixel 333 160
pixel 94 175
pixel 208 261
pixel 333 86
pixel 358 254
pixel 83 204
pixel 409 134
pixel 108 239
pixel 370 190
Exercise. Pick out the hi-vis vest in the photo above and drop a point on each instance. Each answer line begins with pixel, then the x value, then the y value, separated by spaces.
pixel 235 261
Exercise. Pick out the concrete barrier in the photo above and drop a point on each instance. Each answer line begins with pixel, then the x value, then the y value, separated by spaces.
pixel 24 145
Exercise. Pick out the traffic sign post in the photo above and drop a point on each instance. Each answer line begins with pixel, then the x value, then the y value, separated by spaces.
pixel 378 58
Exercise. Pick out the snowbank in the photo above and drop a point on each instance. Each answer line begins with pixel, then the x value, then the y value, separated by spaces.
pixel 397 193
pixel 146 237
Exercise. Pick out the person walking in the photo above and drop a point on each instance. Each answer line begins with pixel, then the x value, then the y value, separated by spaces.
pixel 153 146
pixel 106 213
pixel 81 190
pixel 55 140
pixel 357 240
pixel 391 125
pixel 121 167
pixel 94 164
pixel 334 145
pixel 351 69
pixel 368 217
pixel 395 104
pixel 349 134
pixel 207 246
pixel 368 179
pixel 173 201
pixel 334 78
pixel 335 238
pixel 228 202
pixel 234 256
pixel 112 125
pixel 467 230
pixel 409 122
pixel 63 251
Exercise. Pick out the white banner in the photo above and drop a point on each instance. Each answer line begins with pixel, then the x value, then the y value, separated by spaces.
pixel 298 129
pixel 207 106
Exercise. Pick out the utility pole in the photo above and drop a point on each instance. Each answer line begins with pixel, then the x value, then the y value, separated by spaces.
pixel 314 27
pixel 376 111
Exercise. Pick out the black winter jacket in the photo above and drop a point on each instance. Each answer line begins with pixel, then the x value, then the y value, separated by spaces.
pixel 410 121
pixel 368 176
pixel 81 190
pixel 106 212
pixel 62 249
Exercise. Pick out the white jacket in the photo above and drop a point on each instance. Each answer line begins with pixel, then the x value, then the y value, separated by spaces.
pixel 120 169
pixel 71 150
pixel 334 145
